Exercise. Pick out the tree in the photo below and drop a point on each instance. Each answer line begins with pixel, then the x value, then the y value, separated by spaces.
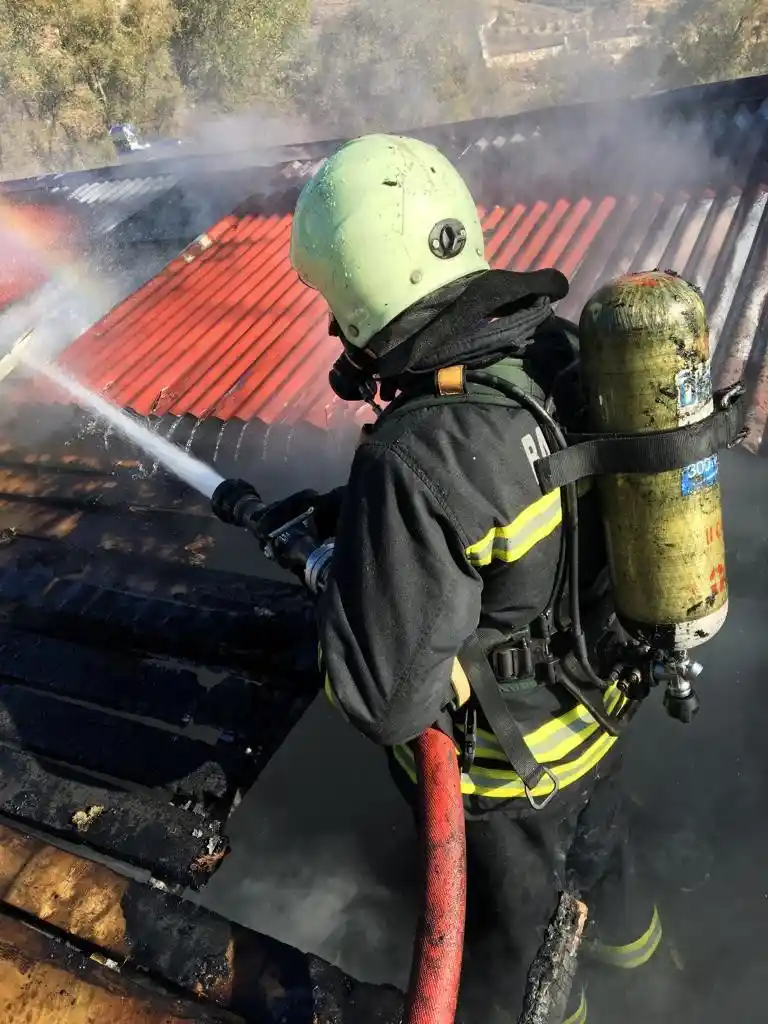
pixel 392 64
pixel 122 51
pixel 721 40
pixel 70 67
pixel 232 52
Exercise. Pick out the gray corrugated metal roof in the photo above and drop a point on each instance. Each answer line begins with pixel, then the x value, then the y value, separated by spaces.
pixel 108 202
pixel 120 191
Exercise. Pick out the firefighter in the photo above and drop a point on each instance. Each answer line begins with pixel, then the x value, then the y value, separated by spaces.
pixel 443 536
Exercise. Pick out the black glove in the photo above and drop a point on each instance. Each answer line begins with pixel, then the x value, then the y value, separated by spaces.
pixel 322 523
pixel 299 548
pixel 326 514
pixel 278 513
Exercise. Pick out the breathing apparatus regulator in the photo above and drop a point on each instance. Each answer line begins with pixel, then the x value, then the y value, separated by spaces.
pixel 656 425
pixel 348 380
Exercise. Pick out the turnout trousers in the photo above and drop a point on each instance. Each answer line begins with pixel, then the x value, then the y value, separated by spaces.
pixel 518 862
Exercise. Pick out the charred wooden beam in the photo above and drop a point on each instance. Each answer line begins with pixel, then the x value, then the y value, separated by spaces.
pixel 268 452
pixel 110 745
pixel 125 681
pixel 111 489
pixel 551 975
pixel 232 591
pixel 112 679
pixel 44 982
pixel 85 627
pixel 211 617
pixel 186 540
pixel 175 845
pixel 183 944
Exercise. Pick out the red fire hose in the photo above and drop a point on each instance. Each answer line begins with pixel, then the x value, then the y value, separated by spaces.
pixel 433 988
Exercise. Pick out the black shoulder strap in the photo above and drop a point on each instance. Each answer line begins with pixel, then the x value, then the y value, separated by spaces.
pixel 485 688
pixel 598 454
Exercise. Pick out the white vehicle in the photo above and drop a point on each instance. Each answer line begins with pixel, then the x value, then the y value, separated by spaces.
pixel 126 139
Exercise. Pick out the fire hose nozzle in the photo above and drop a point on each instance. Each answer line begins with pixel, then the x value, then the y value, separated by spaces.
pixel 236 502
pixel 290 544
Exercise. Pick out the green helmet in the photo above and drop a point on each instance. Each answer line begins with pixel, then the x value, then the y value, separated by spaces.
pixel 384 222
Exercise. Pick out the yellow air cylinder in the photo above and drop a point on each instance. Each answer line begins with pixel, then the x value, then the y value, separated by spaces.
pixel 646 367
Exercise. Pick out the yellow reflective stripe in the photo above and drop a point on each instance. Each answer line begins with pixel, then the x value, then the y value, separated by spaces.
pixel 554 740
pixel 579 1015
pixel 495 783
pixel 634 954
pixel 511 542
pixel 491 783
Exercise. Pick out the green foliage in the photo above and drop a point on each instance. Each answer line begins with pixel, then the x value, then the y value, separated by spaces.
pixel 392 64
pixel 696 42
pixel 227 52
pixel 720 40
pixel 70 68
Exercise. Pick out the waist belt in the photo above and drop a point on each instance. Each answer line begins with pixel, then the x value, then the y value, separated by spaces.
pixel 517 659
pixel 485 689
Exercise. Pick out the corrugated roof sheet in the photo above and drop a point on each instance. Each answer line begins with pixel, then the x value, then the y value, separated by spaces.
pixel 108 202
pixel 228 331
pixel 261 349
pixel 34 240
pixel 117 191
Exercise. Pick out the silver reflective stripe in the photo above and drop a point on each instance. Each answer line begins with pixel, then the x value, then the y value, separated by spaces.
pixel 549 743
pixel 634 954
pixel 496 783
pixel 511 542
pixel 556 739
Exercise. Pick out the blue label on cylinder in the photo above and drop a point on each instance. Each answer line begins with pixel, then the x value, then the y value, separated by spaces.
pixel 694 386
pixel 699 475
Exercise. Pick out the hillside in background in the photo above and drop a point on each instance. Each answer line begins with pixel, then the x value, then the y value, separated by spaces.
pixel 71 68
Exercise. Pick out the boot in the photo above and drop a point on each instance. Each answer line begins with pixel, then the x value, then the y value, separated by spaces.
pixel 656 992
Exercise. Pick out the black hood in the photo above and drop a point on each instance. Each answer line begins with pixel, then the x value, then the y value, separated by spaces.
pixel 475 321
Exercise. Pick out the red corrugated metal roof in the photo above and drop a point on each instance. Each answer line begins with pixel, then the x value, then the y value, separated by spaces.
pixel 34 243
pixel 227 329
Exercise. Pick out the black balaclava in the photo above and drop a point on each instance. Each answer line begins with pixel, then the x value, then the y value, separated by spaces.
pixel 475 321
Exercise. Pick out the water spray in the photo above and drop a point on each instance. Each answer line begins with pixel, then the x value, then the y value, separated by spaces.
pixel 16 355
pixel 196 474
pixel 290 544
